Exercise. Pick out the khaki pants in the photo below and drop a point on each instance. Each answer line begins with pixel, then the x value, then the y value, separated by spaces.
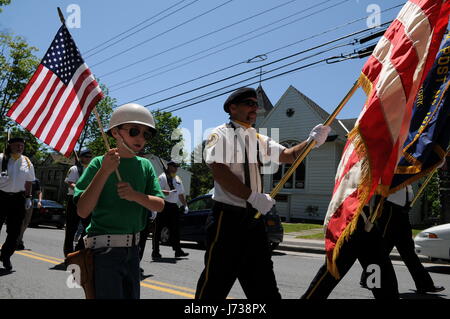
pixel 25 223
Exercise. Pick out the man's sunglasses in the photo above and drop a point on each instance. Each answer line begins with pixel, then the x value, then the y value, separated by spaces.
pixel 133 132
pixel 249 102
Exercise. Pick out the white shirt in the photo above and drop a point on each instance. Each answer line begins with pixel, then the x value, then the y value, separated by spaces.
pixel 399 197
pixel 177 183
pixel 19 172
pixel 72 176
pixel 225 146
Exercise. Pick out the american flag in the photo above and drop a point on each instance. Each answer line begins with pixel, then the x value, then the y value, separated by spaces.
pixel 57 101
pixel 391 78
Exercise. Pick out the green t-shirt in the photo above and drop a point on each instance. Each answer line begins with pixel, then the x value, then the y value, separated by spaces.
pixel 114 215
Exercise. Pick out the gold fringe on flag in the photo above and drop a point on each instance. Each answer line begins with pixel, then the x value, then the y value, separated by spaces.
pixel 363 196
pixel 365 83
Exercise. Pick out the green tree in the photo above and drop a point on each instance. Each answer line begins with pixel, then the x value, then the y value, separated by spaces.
pixel 4 3
pixel 167 138
pixel 17 65
pixel 201 180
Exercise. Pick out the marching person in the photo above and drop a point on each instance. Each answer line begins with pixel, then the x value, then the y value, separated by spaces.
pixel 36 193
pixel 173 190
pixel 396 231
pixel 237 245
pixel 17 174
pixel 118 209
pixel 72 218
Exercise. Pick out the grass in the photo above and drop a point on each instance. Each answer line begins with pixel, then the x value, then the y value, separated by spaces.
pixel 321 235
pixel 297 227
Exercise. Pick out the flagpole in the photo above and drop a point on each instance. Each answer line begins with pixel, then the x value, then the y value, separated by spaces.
pixel 310 145
pixel 97 116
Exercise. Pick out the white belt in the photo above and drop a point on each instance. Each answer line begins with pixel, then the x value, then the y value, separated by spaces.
pixel 102 241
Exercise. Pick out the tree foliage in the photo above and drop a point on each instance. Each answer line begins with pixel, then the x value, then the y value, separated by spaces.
pixel 202 179
pixel 4 3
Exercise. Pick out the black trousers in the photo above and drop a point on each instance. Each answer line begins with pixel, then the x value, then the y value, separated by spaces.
pixel 368 248
pixel 237 248
pixel 396 231
pixel 12 212
pixel 170 217
pixel 72 222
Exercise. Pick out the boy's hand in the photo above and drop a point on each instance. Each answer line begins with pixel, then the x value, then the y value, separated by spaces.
pixel 111 161
pixel 125 191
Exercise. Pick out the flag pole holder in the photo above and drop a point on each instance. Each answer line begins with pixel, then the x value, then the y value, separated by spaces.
pixel 310 145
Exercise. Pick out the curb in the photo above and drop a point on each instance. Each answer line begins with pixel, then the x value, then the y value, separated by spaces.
pixel 313 249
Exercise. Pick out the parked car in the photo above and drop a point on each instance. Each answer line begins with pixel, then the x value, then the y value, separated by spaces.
pixel 434 242
pixel 50 213
pixel 193 224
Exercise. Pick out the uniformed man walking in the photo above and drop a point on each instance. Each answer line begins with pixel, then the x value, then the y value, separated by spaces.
pixel 17 175
pixel 237 246
pixel 36 192
pixel 72 218
pixel 173 190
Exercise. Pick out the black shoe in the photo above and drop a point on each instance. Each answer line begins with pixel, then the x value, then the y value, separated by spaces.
pixel 156 256
pixel 180 253
pixel 6 263
pixel 20 247
pixel 430 289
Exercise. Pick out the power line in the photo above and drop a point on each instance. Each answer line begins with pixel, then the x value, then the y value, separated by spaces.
pixel 233 65
pixel 137 25
pixel 240 36
pixel 261 66
pixel 163 33
pixel 208 34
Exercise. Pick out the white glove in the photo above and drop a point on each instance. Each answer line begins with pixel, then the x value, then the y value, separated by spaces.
pixel 154 214
pixel 319 134
pixel 261 202
pixel 28 203
pixel 186 209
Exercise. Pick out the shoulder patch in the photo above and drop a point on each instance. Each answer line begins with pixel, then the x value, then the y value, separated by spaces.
pixel 212 140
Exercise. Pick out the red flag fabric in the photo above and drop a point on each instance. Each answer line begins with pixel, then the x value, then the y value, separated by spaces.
pixel 391 79
pixel 57 101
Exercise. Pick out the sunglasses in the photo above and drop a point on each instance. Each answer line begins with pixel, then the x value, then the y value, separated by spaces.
pixel 133 132
pixel 249 103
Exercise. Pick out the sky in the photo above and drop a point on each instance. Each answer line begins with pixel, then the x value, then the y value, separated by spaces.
pixel 192 43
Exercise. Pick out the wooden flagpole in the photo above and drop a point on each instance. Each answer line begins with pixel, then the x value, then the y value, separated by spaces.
pixel 310 145
pixel 97 116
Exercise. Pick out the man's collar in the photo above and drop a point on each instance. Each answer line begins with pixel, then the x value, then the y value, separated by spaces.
pixel 242 124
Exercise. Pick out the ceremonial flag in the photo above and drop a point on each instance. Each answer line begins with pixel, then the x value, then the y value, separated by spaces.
pixel 57 101
pixel 429 132
pixel 391 79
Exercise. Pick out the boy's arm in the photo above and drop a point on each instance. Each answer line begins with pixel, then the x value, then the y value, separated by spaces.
pixel 150 202
pixel 88 200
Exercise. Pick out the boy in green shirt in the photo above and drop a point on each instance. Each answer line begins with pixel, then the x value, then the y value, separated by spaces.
pixel 119 209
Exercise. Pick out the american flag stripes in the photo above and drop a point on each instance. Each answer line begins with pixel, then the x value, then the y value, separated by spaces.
pixel 391 78
pixel 57 101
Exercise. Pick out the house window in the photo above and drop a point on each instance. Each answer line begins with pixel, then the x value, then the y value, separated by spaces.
pixel 297 179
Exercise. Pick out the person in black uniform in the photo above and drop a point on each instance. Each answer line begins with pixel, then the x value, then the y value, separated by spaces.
pixel 17 175
pixel 72 218
pixel 172 187
pixel 364 244
pixel 237 246
pixel 396 231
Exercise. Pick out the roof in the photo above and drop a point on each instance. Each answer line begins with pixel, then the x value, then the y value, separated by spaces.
pixel 263 99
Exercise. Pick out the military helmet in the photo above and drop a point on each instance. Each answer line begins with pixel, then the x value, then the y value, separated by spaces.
pixel 131 113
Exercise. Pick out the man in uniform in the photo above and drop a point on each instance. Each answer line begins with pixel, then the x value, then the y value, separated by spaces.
pixel 72 218
pixel 17 175
pixel 173 190
pixel 237 246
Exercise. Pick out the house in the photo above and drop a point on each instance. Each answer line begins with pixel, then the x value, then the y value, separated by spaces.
pixel 306 195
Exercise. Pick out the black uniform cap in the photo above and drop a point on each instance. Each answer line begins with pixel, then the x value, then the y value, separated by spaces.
pixel 16 139
pixel 85 152
pixel 237 96
pixel 173 163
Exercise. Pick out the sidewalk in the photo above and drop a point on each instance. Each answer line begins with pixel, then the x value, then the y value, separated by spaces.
pixel 313 246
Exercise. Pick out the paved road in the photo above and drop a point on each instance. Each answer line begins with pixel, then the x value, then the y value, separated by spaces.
pixel 38 273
